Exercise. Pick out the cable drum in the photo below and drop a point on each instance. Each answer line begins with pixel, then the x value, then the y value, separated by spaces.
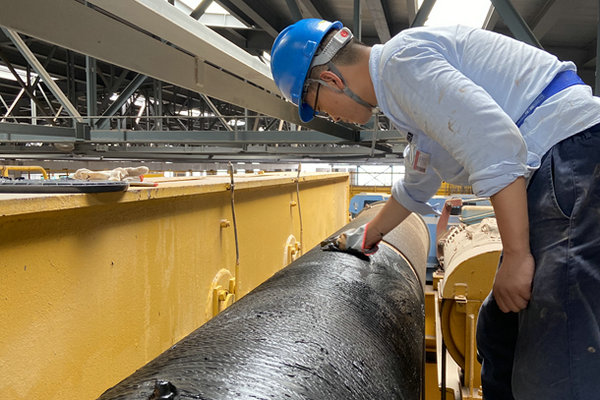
pixel 328 326
pixel 410 238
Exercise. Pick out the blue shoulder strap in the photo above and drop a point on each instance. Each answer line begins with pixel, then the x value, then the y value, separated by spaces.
pixel 561 81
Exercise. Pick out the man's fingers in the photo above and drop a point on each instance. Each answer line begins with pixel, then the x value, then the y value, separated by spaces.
pixel 504 302
pixel 507 303
pixel 520 303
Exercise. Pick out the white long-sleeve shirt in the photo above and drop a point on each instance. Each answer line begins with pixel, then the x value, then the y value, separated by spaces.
pixel 458 91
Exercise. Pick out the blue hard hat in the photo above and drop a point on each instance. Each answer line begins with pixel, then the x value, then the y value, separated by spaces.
pixel 291 56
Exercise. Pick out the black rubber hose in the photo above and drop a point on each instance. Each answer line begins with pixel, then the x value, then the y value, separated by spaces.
pixel 328 326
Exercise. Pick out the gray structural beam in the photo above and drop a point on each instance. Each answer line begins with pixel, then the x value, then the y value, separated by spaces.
pixel 200 9
pixel 10 132
pixel 24 87
pixel 91 88
pixel 423 13
pixel 308 10
pixel 233 137
pixel 104 121
pixel 411 10
pixel 215 110
pixel 43 134
pixel 193 153
pixel 251 87
pixel 35 83
pixel 294 9
pixel 548 18
pixel 357 20
pixel 515 22
pixel 377 12
pixel 7 107
pixel 491 19
pixel 176 27
pixel 41 71
pixel 251 13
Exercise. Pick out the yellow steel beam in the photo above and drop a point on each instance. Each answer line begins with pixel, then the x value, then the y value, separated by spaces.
pixel 94 286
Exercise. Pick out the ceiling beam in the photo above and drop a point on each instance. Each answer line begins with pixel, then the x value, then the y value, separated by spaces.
pixel 41 71
pixel 423 13
pixel 294 9
pixel 308 10
pixel 491 19
pixel 104 121
pixel 357 20
pixel 200 9
pixel 174 26
pixel 379 19
pixel 258 19
pixel 216 111
pixel 24 87
pixel 411 10
pixel 515 22
pixel 230 138
pixel 19 133
pixel 129 48
pixel 552 11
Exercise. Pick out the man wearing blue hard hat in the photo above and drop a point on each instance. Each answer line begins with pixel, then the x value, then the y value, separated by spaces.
pixel 516 124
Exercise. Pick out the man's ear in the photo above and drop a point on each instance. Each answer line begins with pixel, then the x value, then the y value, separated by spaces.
pixel 332 79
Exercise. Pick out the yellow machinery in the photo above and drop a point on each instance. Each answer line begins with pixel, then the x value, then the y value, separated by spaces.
pixel 468 256
pixel 446 189
pixel 5 169
pixel 93 286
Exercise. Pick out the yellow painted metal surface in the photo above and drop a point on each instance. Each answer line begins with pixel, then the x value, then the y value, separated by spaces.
pixel 354 190
pixel 430 298
pixel 448 189
pixel 93 286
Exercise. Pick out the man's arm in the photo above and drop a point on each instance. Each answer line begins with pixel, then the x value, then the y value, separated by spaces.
pixel 512 285
pixel 390 216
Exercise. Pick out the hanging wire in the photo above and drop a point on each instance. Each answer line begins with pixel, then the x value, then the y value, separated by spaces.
pixel 237 249
pixel 299 209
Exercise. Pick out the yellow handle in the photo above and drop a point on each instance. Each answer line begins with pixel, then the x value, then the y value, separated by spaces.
pixel 7 168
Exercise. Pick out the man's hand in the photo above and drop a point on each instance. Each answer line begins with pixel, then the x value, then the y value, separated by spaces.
pixel 364 239
pixel 512 285
pixel 361 239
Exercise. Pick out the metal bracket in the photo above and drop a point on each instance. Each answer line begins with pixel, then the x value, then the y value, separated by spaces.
pixel 223 298
pixel 82 132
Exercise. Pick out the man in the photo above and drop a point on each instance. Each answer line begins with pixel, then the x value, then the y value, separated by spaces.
pixel 519 126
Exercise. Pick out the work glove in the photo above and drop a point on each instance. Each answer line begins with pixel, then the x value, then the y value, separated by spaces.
pixel 117 174
pixel 352 241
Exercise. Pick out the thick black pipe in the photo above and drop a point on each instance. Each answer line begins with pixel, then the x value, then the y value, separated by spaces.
pixel 328 326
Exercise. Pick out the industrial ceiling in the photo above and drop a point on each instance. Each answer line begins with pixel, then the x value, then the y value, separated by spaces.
pixel 145 80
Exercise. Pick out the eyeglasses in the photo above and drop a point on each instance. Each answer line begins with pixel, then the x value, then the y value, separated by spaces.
pixel 315 112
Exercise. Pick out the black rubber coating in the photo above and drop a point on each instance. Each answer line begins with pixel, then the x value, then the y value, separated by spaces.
pixel 328 326
pixel 411 238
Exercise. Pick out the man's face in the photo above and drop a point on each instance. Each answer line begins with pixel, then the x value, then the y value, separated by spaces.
pixel 338 106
